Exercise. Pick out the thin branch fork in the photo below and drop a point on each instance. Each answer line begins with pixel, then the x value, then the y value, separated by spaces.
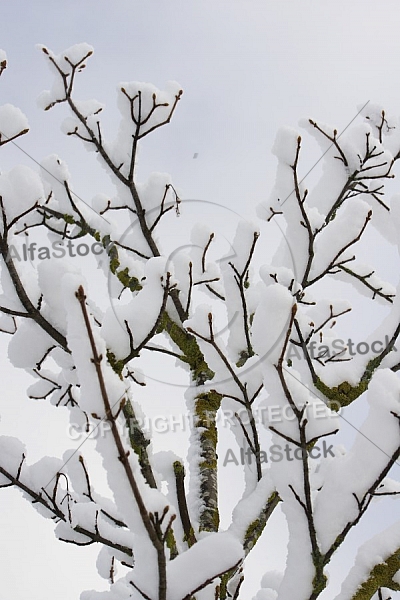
pixel 210 580
pixel 279 366
pixel 332 265
pixel 349 188
pixel 213 343
pixel 242 387
pixel 94 537
pixel 305 220
pixel 240 279
pixel 332 315
pixel 255 444
pixel 247 402
pixel 5 139
pixel 136 351
pixel 68 98
pixel 333 139
pixel 26 302
pixel 364 280
pixel 163 209
pixel 343 195
pixel 362 504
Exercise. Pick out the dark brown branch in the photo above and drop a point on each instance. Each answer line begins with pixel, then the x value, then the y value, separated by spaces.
pixel 37 498
pixel 179 472
pixel 332 139
pixel 240 279
pixel 362 506
pixel 32 311
pixel 210 580
pixel 364 280
pixel 332 265
pixel 122 455
pixel 153 330
pixel 7 139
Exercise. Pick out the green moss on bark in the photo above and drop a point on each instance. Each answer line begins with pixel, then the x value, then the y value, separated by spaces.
pixel 345 393
pixel 187 344
pixel 171 544
pixel 206 407
pixel 256 528
pixel 380 576
pixel 342 395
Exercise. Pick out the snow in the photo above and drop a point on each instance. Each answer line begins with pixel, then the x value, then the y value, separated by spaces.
pixel 299 551
pixel 11 452
pixel 216 553
pixel 265 594
pixel 47 97
pixel 233 266
pixel 63 531
pixel 372 113
pixel 65 60
pixel 271 321
pixel 89 107
pixel 271 579
pixel 48 272
pixel 76 53
pixel 373 552
pixel 148 93
pixel 342 231
pixel 282 275
pixel 140 313
pixel 104 563
pixel 78 342
pixel 355 472
pixel 26 355
pixel 89 110
pixel 120 591
pixel 12 121
pixel 20 188
pixel 285 146
pixel 152 192
pixel 41 388
pixel 54 169
pixel 142 107
pixel 270 583
pixel 43 474
pixel 199 321
pixel 249 507
pixel 322 196
pixel 7 324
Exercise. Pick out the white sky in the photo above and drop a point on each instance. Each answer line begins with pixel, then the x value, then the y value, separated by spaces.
pixel 246 67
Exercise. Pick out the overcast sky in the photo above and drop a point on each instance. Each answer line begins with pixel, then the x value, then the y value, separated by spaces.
pixel 246 67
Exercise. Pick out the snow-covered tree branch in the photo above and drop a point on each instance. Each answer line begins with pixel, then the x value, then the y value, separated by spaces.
pixel 264 341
